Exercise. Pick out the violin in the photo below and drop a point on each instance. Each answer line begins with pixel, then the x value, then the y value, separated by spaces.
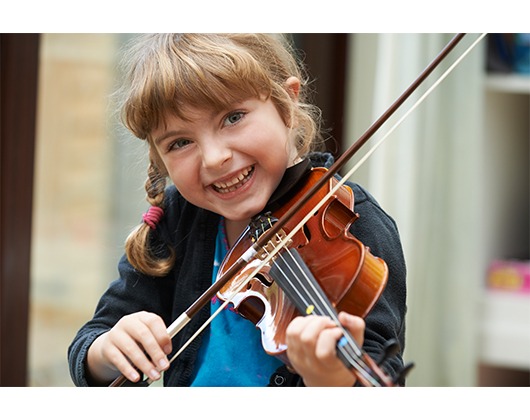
pixel 349 277
pixel 349 274
pixel 301 259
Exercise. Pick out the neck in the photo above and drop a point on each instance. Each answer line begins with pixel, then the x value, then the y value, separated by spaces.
pixel 234 228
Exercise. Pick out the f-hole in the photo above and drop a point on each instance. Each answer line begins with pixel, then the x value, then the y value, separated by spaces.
pixel 307 234
pixel 262 279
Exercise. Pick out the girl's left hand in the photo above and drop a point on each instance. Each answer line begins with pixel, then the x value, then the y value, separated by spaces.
pixel 311 348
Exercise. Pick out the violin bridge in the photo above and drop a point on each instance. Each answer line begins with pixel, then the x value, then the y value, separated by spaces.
pixel 274 244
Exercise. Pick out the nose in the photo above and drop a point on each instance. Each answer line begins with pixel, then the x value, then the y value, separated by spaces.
pixel 215 153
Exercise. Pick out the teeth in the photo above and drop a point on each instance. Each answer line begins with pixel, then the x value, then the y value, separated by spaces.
pixel 227 186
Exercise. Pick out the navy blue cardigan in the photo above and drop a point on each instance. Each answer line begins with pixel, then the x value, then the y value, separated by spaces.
pixel 191 232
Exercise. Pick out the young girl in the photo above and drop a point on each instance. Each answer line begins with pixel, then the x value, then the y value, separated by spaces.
pixel 224 116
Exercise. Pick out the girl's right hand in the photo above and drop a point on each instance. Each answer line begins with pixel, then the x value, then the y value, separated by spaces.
pixel 137 341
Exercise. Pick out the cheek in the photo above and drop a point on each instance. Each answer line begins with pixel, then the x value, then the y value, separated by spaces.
pixel 190 190
pixel 276 141
pixel 183 177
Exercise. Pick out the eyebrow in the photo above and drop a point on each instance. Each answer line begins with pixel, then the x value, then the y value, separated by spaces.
pixel 213 114
pixel 164 136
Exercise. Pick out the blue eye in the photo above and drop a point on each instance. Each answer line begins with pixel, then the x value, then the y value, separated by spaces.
pixel 179 144
pixel 234 117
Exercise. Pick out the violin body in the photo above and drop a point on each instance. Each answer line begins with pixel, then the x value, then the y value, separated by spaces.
pixel 351 277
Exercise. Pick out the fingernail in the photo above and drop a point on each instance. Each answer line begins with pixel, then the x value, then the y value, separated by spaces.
pixel 163 363
pixel 167 349
pixel 154 375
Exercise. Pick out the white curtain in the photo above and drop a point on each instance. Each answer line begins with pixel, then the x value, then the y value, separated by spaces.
pixel 427 176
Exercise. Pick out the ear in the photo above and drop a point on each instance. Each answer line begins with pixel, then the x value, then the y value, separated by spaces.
pixel 292 85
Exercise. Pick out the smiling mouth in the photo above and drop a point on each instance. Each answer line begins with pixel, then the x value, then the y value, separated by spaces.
pixel 235 183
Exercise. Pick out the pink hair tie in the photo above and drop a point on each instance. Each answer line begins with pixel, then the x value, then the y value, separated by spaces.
pixel 153 216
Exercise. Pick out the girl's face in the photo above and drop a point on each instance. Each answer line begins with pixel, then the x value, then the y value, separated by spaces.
pixel 229 162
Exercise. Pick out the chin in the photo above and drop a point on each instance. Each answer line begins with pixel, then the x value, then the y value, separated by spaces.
pixel 243 216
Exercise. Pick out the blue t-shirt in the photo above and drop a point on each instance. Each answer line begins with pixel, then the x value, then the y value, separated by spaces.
pixel 231 352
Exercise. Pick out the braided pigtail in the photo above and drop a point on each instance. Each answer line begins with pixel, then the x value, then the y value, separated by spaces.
pixel 138 245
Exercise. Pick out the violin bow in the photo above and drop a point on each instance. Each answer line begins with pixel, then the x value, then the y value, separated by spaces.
pixel 177 325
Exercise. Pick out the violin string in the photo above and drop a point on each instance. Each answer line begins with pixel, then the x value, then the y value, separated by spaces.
pixel 329 309
pixel 311 295
pixel 351 352
pixel 309 298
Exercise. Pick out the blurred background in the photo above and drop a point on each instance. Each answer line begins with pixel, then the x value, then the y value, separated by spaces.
pixel 454 175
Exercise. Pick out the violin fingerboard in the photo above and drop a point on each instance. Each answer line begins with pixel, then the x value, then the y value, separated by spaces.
pixel 296 280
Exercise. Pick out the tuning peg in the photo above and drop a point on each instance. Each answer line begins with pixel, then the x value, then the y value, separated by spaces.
pixel 390 349
pixel 400 376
